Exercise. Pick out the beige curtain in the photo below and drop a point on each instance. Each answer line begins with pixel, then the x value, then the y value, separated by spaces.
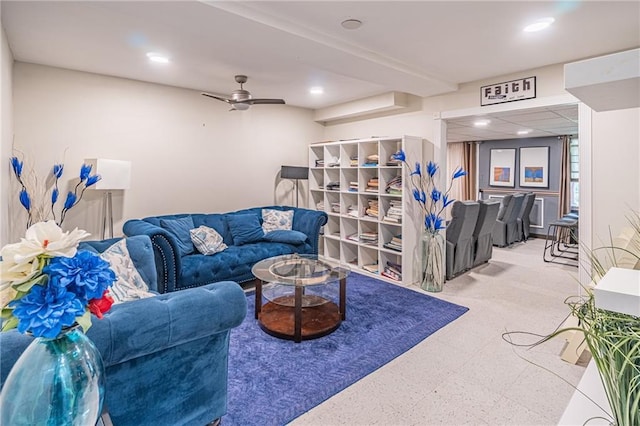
pixel 462 154
pixel 564 203
pixel 470 165
pixel 455 159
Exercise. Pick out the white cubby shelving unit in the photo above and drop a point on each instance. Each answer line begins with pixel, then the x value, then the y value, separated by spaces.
pixel 344 163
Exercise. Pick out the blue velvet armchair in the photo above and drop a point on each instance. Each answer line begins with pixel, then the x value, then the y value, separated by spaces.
pixel 165 356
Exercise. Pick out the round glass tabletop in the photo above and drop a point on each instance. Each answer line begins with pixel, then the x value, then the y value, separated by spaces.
pixel 299 270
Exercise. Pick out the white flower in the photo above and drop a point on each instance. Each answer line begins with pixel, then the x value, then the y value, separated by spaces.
pixel 42 238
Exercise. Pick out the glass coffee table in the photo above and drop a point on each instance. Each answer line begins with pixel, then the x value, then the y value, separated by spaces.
pixel 305 296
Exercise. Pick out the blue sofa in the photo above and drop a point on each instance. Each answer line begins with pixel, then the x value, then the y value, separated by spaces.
pixel 177 272
pixel 165 356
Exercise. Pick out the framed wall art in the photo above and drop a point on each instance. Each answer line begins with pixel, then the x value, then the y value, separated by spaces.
pixel 502 167
pixel 534 167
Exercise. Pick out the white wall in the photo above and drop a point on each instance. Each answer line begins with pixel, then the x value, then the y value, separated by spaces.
pixel 615 175
pixel 188 152
pixel 6 132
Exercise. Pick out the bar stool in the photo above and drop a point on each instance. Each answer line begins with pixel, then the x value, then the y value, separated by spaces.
pixel 562 241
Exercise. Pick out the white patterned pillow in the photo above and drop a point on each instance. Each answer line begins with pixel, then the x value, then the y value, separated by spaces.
pixel 129 284
pixel 276 219
pixel 207 240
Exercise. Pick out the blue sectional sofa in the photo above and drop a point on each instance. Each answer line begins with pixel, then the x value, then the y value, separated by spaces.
pixel 185 333
pixel 176 271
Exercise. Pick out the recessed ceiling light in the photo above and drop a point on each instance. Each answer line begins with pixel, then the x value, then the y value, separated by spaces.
pixel 156 57
pixel 524 132
pixel 481 123
pixel 539 25
pixel 316 90
pixel 351 24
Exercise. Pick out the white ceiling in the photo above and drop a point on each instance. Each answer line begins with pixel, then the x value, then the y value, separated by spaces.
pixel 540 122
pixel 419 47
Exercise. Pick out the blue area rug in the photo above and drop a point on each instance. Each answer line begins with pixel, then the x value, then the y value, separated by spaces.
pixel 273 381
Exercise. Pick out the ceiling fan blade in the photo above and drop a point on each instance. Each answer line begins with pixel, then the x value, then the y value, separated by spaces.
pixel 217 97
pixel 265 101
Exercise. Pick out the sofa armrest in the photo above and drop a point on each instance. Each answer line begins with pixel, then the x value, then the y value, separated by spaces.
pixel 165 249
pixel 309 222
pixel 138 328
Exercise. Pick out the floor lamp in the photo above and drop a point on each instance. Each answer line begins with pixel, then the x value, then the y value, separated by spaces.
pixel 115 175
pixel 295 173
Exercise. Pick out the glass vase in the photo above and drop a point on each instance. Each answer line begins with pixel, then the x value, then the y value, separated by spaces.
pixel 432 261
pixel 55 382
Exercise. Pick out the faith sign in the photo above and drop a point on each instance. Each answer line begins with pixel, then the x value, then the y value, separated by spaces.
pixel 509 91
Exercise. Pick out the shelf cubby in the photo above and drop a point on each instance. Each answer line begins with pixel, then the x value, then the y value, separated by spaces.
pixel 341 225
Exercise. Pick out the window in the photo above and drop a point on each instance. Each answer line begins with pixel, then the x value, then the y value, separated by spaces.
pixel 574 169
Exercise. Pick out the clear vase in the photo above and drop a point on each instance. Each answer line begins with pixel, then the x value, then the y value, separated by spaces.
pixel 432 261
pixel 55 382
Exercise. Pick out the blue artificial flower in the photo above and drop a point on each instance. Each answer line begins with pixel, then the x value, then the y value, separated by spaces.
pixel 46 310
pixel 16 165
pixel 432 168
pixel 85 171
pixel 417 171
pixel 435 195
pixel 57 170
pixel 70 201
pixel 446 201
pixel 86 274
pixel 25 200
pixel 91 180
pixel 54 195
pixel 400 156
pixel 433 222
pixel 458 173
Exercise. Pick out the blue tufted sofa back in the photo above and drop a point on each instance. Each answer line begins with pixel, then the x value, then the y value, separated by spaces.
pixel 140 251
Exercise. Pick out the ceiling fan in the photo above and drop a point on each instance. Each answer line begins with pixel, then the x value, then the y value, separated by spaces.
pixel 241 99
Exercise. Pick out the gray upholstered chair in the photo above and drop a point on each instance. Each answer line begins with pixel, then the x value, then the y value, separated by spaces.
pixel 464 215
pixel 512 223
pixel 523 218
pixel 482 234
pixel 505 231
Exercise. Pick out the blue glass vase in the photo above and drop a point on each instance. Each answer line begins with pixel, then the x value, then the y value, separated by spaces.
pixel 55 382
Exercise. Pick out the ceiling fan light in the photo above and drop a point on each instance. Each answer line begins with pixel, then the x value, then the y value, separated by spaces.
pixel 240 106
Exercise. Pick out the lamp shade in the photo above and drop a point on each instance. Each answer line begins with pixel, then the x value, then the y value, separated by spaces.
pixel 294 172
pixel 115 174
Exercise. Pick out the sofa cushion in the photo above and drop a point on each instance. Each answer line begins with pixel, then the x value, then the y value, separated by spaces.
pixel 276 219
pixel 217 221
pixel 180 228
pixel 207 240
pixel 284 236
pixel 245 228
pixel 129 284
pixel 235 261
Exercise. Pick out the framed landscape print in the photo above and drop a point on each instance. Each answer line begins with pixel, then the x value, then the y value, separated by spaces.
pixel 534 167
pixel 502 167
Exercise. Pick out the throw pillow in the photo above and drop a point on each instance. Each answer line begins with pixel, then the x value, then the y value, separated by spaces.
pixel 180 228
pixel 129 284
pixel 207 240
pixel 245 228
pixel 284 236
pixel 276 219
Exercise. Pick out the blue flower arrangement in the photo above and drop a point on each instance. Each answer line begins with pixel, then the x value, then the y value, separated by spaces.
pixel 39 202
pixel 47 284
pixel 432 201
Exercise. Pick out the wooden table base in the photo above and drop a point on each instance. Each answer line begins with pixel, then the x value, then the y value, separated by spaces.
pixel 298 316
pixel 278 319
